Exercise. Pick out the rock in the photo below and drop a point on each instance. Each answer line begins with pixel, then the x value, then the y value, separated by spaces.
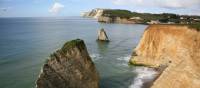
pixel 175 47
pixel 102 36
pixel 69 67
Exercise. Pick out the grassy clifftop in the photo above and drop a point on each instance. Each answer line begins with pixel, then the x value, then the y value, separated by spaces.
pixel 148 17
pixel 117 13
pixel 72 44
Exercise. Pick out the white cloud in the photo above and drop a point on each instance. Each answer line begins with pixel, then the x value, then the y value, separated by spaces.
pixel 56 8
pixel 160 3
pixel 4 9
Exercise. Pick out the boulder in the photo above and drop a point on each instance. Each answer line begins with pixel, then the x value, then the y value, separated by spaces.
pixel 69 67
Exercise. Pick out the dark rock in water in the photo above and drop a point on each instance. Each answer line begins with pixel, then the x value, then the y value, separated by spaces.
pixel 69 67
pixel 102 36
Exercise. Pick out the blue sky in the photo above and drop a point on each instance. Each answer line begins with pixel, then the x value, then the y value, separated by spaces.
pixel 46 8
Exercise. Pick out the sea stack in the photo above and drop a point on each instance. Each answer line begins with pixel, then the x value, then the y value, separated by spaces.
pixel 69 67
pixel 176 47
pixel 102 36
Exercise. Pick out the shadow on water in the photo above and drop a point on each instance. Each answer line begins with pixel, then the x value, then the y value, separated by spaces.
pixel 102 47
pixel 122 80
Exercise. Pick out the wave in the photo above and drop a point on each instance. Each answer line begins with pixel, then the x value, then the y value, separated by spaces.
pixel 144 75
pixel 125 58
pixel 95 57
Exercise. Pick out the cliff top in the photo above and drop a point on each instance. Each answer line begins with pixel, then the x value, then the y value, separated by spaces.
pixel 117 13
pixel 190 26
pixel 72 44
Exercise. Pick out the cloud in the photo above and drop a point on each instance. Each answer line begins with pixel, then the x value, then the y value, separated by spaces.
pixel 5 9
pixel 175 4
pixel 56 8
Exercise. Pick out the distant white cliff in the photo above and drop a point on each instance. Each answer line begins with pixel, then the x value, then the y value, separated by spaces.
pixel 95 13
pixel 108 16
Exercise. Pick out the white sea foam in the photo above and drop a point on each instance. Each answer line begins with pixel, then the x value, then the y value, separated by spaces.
pixel 125 58
pixel 95 57
pixel 144 74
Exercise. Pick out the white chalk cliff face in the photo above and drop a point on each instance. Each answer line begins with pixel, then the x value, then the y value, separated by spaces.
pixel 178 48
pixel 98 13
pixel 95 13
pixel 102 36
pixel 69 67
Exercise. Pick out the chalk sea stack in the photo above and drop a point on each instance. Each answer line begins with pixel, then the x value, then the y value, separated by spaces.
pixel 175 46
pixel 102 36
pixel 69 67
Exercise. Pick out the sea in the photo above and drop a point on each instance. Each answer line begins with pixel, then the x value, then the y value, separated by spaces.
pixel 26 42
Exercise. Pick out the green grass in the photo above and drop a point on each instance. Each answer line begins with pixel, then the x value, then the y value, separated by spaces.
pixel 72 44
pixel 118 13
pixel 195 26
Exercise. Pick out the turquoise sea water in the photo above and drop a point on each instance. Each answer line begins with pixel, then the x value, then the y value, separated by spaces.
pixel 25 43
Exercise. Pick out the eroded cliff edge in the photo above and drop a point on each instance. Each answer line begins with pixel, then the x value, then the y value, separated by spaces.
pixel 69 67
pixel 177 48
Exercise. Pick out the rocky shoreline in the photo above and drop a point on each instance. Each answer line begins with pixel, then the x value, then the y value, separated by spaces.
pixel 159 71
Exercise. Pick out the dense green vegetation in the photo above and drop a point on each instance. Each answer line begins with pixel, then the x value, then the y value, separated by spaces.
pixel 164 18
pixel 148 17
pixel 73 43
pixel 195 26
pixel 118 13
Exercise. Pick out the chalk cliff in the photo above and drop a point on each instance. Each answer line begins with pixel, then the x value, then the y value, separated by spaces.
pixel 108 16
pixel 69 67
pixel 95 13
pixel 177 48
pixel 120 20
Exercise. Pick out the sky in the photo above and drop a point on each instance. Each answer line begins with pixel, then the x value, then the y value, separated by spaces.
pixel 56 8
